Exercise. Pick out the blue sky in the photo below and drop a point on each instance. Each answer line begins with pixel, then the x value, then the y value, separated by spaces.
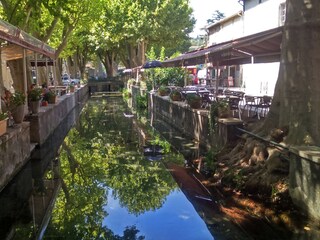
pixel 204 9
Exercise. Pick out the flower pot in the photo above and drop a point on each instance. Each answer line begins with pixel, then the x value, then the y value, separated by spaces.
pixel 224 112
pixel 18 114
pixel 195 104
pixel 52 99
pixel 3 126
pixel 35 106
pixel 176 96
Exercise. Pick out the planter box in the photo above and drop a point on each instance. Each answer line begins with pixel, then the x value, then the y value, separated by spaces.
pixel 3 126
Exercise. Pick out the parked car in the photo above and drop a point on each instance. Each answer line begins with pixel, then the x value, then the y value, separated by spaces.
pixel 66 80
pixel 75 81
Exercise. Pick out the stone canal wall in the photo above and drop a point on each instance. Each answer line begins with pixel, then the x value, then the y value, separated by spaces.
pixel 49 117
pixel 304 177
pixel 15 150
pixel 19 141
pixel 193 123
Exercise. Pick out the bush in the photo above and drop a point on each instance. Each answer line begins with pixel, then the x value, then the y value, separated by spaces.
pixel 18 98
pixel 35 94
pixel 142 102
pixel 175 95
pixel 194 100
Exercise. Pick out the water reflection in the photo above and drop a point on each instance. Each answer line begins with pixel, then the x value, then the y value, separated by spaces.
pixel 27 201
pixel 110 191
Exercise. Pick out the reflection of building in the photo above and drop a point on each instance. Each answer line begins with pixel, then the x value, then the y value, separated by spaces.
pixel 257 16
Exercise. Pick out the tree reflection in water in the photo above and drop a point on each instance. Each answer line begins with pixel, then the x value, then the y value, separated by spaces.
pixel 100 153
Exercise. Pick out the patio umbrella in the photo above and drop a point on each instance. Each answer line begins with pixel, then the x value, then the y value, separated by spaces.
pixel 152 64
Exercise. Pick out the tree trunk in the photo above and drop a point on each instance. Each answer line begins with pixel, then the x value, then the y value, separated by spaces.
pixel 296 101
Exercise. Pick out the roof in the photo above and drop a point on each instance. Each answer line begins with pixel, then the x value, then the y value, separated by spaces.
pixel 14 35
pixel 257 48
pixel 224 20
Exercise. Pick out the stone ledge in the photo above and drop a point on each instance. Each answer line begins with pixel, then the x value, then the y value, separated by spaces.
pixel 311 153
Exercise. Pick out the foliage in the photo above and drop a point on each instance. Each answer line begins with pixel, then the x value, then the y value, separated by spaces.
pixel 194 100
pixel 99 161
pixel 35 94
pixel 165 76
pixel 216 16
pixel 142 101
pixel 3 115
pixel 175 95
pixel 129 28
pixel 49 95
pixel 163 90
pixel 126 93
pixel 215 108
pixel 193 97
pixel 18 98
pixel 163 143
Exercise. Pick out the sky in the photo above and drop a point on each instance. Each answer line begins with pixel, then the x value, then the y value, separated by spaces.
pixel 204 9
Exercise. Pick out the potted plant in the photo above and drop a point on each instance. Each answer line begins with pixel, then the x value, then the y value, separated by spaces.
pixel 163 91
pixel 194 100
pixel 17 108
pixel 220 109
pixel 3 123
pixel 71 87
pixel 175 95
pixel 51 97
pixel 35 96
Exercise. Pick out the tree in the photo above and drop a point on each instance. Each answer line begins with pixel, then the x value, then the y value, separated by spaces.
pixel 296 101
pixel 129 28
pixel 216 16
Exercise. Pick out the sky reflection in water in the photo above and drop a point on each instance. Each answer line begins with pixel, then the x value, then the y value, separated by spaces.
pixel 176 219
pixel 111 187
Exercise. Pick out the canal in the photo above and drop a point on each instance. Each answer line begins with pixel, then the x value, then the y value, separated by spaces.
pixel 91 180
pixel 96 183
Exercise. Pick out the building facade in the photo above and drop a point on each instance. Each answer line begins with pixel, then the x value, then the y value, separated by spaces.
pixel 257 16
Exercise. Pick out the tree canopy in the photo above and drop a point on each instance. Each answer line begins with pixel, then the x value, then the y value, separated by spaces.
pixel 116 31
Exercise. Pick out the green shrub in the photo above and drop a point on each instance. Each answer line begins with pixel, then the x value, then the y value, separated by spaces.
pixel 142 101
pixel 18 98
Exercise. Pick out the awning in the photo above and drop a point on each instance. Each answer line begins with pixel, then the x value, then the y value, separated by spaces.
pixel 20 38
pixel 261 47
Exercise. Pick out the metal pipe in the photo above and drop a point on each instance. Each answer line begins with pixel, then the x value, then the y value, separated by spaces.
pixel 263 139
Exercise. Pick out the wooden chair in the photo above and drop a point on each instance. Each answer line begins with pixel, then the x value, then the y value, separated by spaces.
pixel 234 105
pixel 250 102
pixel 264 104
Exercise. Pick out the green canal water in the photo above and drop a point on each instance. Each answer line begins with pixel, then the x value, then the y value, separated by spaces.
pixel 99 185
pixel 91 180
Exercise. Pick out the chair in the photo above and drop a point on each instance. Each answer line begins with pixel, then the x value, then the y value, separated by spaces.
pixel 240 95
pixel 206 101
pixel 234 105
pixel 250 102
pixel 264 105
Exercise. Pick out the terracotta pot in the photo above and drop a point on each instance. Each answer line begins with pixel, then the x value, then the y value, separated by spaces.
pixel 52 99
pixel 18 114
pixel 3 126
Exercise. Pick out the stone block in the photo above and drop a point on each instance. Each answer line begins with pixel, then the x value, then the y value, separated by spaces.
pixel 304 179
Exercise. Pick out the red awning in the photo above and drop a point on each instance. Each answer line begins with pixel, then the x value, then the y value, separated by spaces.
pixel 257 48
